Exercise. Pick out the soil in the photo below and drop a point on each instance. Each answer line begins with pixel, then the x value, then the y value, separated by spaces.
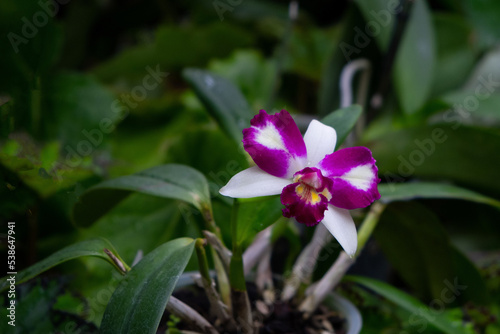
pixel 276 318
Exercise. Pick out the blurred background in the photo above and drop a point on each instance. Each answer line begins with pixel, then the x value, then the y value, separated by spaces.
pixel 92 90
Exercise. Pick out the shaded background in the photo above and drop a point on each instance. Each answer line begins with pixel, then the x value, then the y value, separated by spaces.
pixel 92 90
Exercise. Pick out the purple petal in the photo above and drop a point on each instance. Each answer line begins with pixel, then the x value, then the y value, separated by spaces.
pixel 309 212
pixel 275 144
pixel 354 176
pixel 307 199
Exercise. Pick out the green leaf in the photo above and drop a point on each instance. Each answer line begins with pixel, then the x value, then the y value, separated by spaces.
pixel 216 157
pixel 378 12
pixel 138 223
pixel 256 215
pixel 169 181
pixel 343 120
pixel 93 247
pixel 454 53
pixel 411 304
pixel 470 109
pixel 463 154
pixel 484 16
pixel 418 247
pixel 141 222
pixel 477 101
pixel 310 49
pixel 415 60
pixel 81 115
pixel 223 100
pixel 249 71
pixel 35 166
pixel 140 299
pixel 194 45
pixel 414 64
pixel 346 50
pixel 470 276
pixel 391 192
pixel 486 74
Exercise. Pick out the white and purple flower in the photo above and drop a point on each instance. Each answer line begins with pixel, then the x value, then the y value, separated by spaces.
pixel 316 184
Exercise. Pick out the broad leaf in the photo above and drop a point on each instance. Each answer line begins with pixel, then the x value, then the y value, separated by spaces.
pixel 343 120
pixel 142 222
pixel 470 276
pixel 93 247
pixel 411 304
pixel 82 115
pixel 454 53
pixel 345 48
pixel 38 305
pixel 383 17
pixel 484 16
pixel 469 109
pixel 415 60
pixel 249 71
pixel 391 192
pixel 193 45
pixel 223 100
pixel 417 246
pixel 477 101
pixel 255 215
pixel 486 75
pixel 463 154
pixel 138 224
pixel 140 299
pixel 414 64
pixel 169 181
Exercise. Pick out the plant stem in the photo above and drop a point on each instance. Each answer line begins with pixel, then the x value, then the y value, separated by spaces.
pixel 220 269
pixel 264 276
pixel 236 273
pixel 222 251
pixel 369 224
pixel 241 303
pixel 306 262
pixel 327 283
pixel 117 261
pixel 346 95
pixel 217 307
pixel 190 316
pixel 208 216
pixel 222 279
pixel 343 262
pixel 346 78
pixel 202 258
pixel 259 247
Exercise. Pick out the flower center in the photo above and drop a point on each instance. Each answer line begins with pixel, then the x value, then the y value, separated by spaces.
pixel 311 184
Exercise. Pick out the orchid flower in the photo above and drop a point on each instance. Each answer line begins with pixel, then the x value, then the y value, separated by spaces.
pixel 316 184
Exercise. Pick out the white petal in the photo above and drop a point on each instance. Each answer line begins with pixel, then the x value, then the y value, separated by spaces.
pixel 253 182
pixel 320 141
pixel 340 224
